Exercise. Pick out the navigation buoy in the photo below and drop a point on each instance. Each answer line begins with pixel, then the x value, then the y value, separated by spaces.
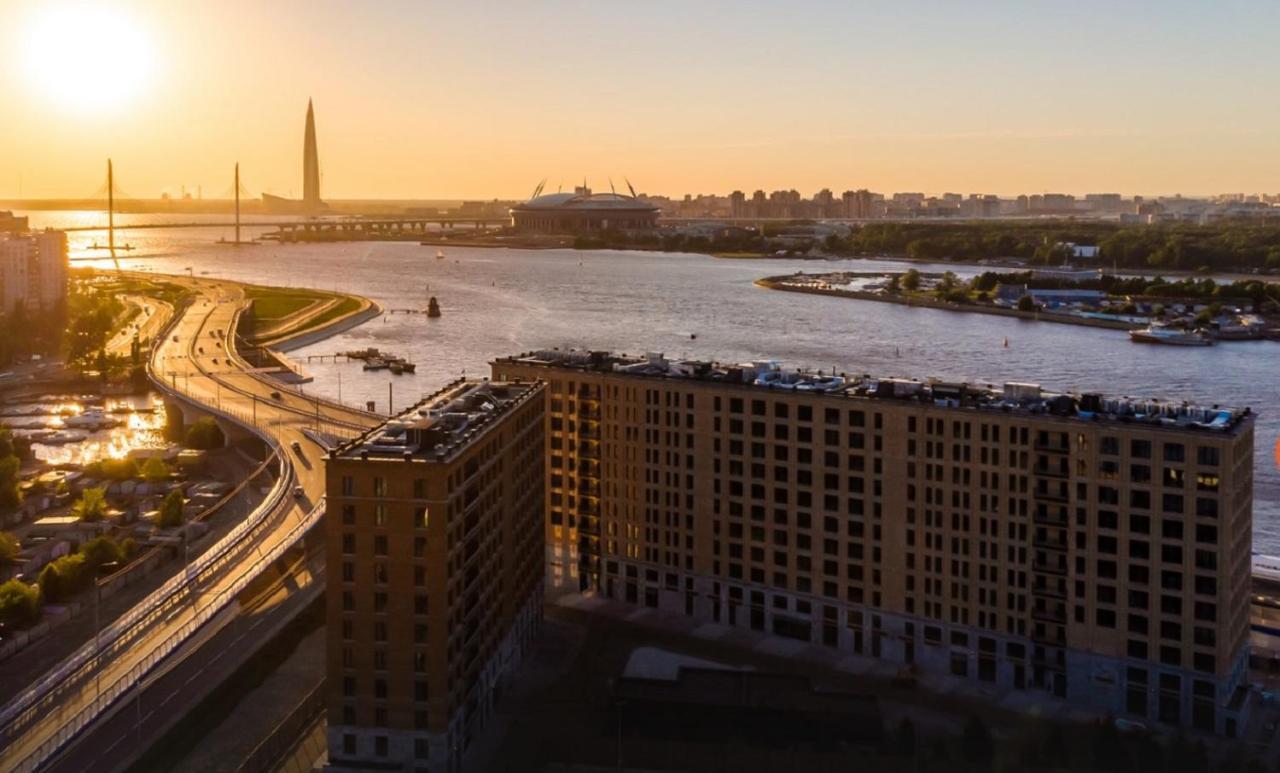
pixel 1006 343
pixel 433 307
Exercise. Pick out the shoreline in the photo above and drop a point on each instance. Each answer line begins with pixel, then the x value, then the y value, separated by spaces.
pixel 775 283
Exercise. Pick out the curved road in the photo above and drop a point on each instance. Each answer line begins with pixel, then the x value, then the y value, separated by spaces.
pixel 194 360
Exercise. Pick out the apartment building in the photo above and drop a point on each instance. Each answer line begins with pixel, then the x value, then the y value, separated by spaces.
pixel 33 270
pixel 435 579
pixel 1095 549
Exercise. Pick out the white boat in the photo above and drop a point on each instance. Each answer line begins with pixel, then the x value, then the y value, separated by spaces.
pixel 64 436
pixel 93 419
pixel 1266 568
pixel 1159 334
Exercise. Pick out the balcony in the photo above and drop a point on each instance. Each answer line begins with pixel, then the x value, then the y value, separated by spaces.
pixel 1057 545
pixel 1051 448
pixel 1048 591
pixel 1045 495
pixel 1047 566
pixel 1051 519
pixel 1045 471
pixel 1055 616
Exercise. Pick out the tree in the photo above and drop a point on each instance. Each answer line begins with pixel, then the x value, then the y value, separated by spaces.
pixel 976 745
pixel 205 434
pixel 155 470
pixel 1025 303
pixel 19 603
pixel 99 551
pixel 91 506
pixel 904 738
pixel 10 493
pixel 1108 748
pixel 117 469
pixel 9 547
pixel 1055 751
pixel 63 577
pixel 911 280
pixel 171 510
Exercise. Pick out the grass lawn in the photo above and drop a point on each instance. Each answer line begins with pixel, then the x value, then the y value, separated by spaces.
pixel 271 303
pixel 345 306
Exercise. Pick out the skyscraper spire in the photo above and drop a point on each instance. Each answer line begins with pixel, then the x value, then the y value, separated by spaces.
pixel 310 163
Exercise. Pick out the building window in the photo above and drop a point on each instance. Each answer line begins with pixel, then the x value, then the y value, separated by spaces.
pixel 348 486
pixel 379 515
pixel 379 486
pixel 380 745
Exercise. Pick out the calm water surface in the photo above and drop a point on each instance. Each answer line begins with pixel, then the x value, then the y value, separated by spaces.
pixel 498 302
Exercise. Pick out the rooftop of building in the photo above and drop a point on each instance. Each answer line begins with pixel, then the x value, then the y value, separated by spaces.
pixel 439 426
pixel 585 201
pixel 1012 397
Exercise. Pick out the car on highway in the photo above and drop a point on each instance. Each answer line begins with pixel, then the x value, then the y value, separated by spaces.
pixel 298 492
pixel 276 396
pixel 297 447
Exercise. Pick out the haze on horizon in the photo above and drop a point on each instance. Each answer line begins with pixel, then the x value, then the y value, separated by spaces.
pixel 484 99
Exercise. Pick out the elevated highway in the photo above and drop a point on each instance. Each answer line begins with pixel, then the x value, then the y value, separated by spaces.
pixel 194 363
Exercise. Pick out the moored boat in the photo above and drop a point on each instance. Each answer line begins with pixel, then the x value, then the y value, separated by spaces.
pixel 1159 334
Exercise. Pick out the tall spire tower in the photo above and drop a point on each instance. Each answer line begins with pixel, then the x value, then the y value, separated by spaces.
pixel 310 163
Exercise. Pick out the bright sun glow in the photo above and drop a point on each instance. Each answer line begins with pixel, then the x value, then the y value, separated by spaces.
pixel 87 57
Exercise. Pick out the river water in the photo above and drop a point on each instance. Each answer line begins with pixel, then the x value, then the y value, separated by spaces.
pixel 497 302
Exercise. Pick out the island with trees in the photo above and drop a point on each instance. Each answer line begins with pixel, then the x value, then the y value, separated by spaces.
pixel 1247 309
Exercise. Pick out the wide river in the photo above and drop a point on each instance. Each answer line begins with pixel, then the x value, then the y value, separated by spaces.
pixel 497 302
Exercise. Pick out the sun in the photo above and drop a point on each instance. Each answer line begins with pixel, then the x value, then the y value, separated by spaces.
pixel 87 57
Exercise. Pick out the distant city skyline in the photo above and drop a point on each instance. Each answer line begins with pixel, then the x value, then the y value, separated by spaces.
pixel 474 101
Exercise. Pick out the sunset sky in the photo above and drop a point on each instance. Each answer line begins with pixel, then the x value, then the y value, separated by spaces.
pixel 418 99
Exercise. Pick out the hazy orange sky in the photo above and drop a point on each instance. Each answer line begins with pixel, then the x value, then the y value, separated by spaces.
pixel 484 99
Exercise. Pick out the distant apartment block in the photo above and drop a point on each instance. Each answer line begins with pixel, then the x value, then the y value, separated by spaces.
pixel 33 270
pixel 1094 549
pixel 10 223
pixel 434 591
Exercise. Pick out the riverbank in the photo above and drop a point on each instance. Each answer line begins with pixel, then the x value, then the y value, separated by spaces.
pixel 778 283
